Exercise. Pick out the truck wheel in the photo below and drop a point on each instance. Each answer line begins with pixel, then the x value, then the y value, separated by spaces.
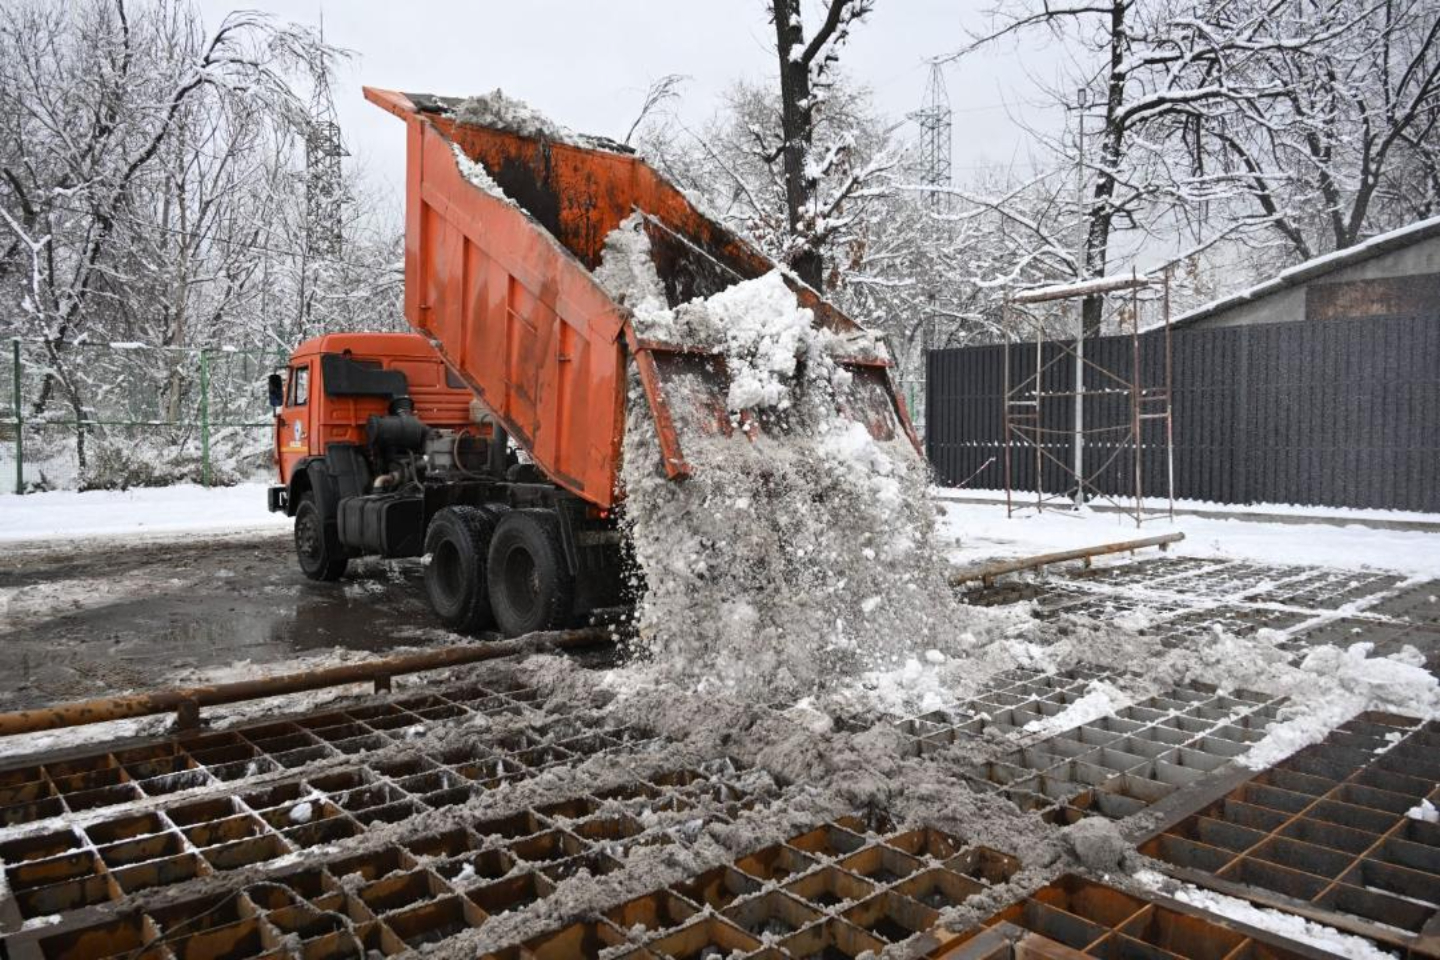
pixel 316 544
pixel 458 542
pixel 531 587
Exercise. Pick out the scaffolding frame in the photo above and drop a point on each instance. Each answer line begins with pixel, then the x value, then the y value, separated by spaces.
pixel 1023 407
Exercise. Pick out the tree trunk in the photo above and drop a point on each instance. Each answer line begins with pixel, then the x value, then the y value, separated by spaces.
pixel 796 120
pixel 1101 215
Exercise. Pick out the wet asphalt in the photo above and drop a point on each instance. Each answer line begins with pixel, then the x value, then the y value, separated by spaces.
pixel 100 618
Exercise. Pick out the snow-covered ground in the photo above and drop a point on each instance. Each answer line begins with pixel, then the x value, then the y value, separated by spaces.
pixel 1333 539
pixel 980 527
pixel 147 513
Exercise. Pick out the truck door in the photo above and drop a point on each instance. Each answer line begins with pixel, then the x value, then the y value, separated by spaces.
pixel 292 426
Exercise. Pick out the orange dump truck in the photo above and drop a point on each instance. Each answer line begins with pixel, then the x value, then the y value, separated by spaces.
pixel 406 445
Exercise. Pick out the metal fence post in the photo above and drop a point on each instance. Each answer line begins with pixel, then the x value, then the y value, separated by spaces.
pixel 204 417
pixel 19 421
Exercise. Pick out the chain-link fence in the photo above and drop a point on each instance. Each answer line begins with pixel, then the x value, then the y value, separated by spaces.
pixel 116 415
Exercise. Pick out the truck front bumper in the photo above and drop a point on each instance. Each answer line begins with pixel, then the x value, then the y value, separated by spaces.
pixel 277 499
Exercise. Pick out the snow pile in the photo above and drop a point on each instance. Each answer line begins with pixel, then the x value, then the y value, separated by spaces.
pixel 148 511
pixel 1101 699
pixel 1424 810
pixel 801 550
pixel 1334 685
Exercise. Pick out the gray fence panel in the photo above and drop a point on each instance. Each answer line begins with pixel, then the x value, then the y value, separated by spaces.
pixel 1330 413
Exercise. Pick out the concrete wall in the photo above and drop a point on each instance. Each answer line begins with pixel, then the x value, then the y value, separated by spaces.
pixel 1420 258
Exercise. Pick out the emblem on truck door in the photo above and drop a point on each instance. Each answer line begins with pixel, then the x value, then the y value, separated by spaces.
pixel 298 433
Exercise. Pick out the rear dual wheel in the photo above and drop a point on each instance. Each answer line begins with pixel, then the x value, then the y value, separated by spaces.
pixel 531 586
pixel 458 542
pixel 495 567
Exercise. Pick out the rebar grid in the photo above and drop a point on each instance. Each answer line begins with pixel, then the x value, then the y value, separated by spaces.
pixel 89 781
pixel 1187 599
pixel 1332 828
pixel 337 811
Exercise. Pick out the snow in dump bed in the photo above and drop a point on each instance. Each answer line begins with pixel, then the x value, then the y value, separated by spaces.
pixel 801 550
pixel 477 174
pixel 496 110
pixel 500 112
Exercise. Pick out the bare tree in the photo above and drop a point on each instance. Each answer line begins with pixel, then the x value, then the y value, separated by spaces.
pixel 1243 120
pixel 1346 143
pixel 152 192
pixel 660 92
pixel 806 69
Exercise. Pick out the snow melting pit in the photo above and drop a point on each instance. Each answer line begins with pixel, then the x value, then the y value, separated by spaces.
pixel 1338 831
pixel 1098 920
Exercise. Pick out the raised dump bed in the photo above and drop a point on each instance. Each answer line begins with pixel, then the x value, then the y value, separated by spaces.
pixel 503 285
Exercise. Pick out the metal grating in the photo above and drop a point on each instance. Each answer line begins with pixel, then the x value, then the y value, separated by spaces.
pixel 1096 920
pixel 1114 766
pixel 88 781
pixel 1327 830
pixel 837 890
pixel 417 888
pixel 1013 699
pixel 346 843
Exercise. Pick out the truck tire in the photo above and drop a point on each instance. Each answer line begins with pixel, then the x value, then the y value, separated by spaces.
pixel 316 544
pixel 458 543
pixel 531 587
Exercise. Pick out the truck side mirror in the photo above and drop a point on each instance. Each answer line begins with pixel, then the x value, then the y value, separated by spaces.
pixel 277 392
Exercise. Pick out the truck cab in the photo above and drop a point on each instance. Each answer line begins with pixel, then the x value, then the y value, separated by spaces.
pixel 383 450
pixel 335 383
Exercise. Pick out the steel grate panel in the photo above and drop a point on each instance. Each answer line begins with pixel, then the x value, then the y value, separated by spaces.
pixel 837 890
pixel 1114 766
pixel 1328 827
pixel 1075 916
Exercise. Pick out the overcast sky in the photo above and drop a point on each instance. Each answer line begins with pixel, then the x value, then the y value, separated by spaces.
pixel 586 64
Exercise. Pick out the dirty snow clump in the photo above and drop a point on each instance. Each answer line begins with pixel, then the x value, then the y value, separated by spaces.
pixel 800 550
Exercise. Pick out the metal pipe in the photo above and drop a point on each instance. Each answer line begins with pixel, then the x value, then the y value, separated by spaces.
pixel 989 572
pixel 1078 454
pixel 1084 288
pixel 18 394
pixel 187 702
